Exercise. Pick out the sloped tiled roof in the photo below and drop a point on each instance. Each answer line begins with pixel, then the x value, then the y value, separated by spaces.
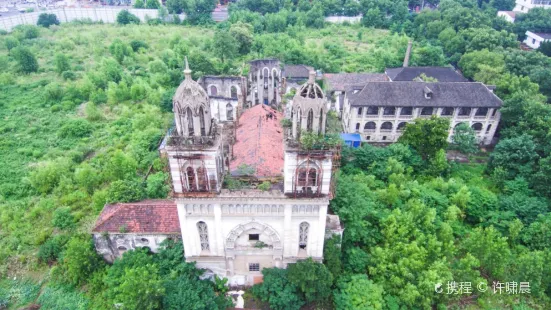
pixel 149 216
pixel 259 142
pixel 442 74
pixel 412 94
pixel 545 36
pixel 297 71
pixel 340 81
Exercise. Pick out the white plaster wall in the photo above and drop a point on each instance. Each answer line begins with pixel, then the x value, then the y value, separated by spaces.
pixel 533 40
pixel 484 136
pixel 285 220
pixel 218 108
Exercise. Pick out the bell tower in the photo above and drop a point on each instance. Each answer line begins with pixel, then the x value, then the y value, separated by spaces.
pixel 309 110
pixel 194 146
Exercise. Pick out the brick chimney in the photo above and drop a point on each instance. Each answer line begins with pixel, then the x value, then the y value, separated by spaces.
pixel 408 52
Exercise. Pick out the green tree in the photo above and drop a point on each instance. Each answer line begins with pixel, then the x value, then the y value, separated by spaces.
pixel 225 45
pixel 125 191
pixel 193 294
pixel 358 292
pixel 503 5
pixel 139 4
pixel 157 186
pixel 464 139
pixel 63 219
pixel 332 256
pixel 517 156
pixel 491 249
pixel 26 61
pixel 152 4
pixel 537 236
pixel 140 288
pixel 46 20
pixel 545 48
pixel 429 55
pixel 243 34
pixel 124 18
pixel 80 260
pixel 11 43
pixel 277 290
pixel 427 136
pixel 312 279
pixel 471 61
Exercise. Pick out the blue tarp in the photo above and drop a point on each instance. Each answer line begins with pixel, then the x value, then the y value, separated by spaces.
pixel 352 139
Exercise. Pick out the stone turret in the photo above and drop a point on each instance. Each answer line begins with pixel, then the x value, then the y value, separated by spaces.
pixel 309 110
pixel 191 108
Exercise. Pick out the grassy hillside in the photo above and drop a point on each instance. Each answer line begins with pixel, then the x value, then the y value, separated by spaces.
pixel 92 116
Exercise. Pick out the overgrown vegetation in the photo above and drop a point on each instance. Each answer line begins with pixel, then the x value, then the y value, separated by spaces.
pixel 83 108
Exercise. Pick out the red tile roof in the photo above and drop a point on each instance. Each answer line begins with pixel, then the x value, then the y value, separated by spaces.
pixel 148 216
pixel 259 142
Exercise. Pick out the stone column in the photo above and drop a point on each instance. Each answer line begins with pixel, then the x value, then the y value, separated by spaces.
pixel 218 230
pixel 230 267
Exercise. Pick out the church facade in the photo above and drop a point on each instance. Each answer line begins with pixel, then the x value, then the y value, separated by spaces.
pixel 247 195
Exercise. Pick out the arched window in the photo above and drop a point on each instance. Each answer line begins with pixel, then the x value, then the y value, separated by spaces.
pixel 202 179
pixel 464 111
pixel 202 121
pixel 426 111
pixel 302 174
pixel 303 235
pixel 447 111
pixel 203 236
pixel 357 126
pixel 401 126
pixel 477 126
pixel 370 126
pixel 489 127
pixel 389 111
pixel 360 111
pixel 312 177
pixel 213 90
pixel 229 112
pixel 233 92
pixel 372 110
pixel 406 111
pixel 310 121
pixel 481 112
pixel 386 126
pixel 192 185
pixel 189 115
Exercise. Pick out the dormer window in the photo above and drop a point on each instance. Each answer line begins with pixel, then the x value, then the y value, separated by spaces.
pixel 428 93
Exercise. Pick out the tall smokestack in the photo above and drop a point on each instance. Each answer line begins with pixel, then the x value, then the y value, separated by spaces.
pixel 408 51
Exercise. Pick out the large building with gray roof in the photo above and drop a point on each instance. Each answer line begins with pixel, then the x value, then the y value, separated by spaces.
pixel 380 111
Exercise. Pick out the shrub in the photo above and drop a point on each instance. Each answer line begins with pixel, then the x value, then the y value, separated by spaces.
pixel 264 186
pixel 61 63
pixel 69 76
pixel 76 128
pixel 125 191
pixel 46 177
pixel 139 4
pixel 53 92
pixel 93 114
pixel 137 44
pixel 26 60
pixel 27 32
pixel 152 4
pixel 63 219
pixel 62 297
pixel 80 260
pixel 157 186
pixel 46 20
pixel 11 43
pixel 50 250
pixel 125 18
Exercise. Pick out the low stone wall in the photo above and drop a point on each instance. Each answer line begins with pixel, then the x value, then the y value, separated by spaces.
pixel 341 19
pixel 106 15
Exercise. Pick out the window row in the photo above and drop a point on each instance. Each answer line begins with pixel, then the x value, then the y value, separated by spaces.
pixel 372 126
pixel 254 209
pixel 213 91
pixel 388 126
pixel 305 209
pixel 408 111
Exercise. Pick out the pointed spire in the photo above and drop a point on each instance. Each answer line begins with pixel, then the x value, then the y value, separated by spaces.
pixel 312 77
pixel 187 71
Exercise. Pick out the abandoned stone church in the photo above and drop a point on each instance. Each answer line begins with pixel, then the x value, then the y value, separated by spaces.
pixel 246 195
